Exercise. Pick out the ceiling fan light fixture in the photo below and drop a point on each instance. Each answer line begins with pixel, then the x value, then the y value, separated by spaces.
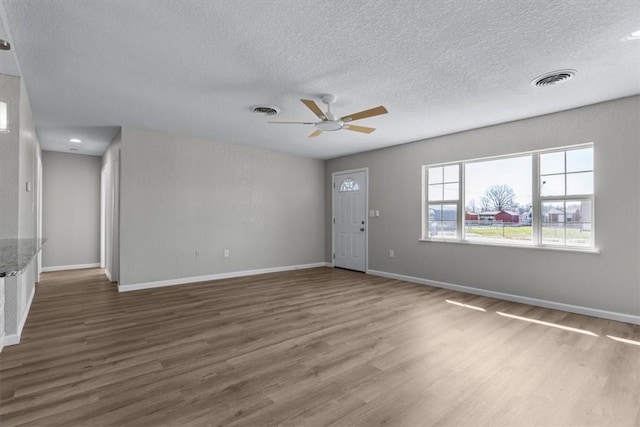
pixel 329 125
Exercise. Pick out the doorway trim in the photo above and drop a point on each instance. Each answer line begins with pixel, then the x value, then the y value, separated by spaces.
pixel 103 216
pixel 366 216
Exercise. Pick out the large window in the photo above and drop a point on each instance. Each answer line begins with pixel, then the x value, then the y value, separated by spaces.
pixel 542 198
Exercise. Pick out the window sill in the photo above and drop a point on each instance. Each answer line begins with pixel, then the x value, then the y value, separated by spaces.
pixel 509 246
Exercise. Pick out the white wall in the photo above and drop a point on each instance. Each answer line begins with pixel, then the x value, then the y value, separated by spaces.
pixel 71 210
pixel 180 195
pixel 606 281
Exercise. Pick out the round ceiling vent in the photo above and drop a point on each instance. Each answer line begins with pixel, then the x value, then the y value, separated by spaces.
pixel 265 110
pixel 553 78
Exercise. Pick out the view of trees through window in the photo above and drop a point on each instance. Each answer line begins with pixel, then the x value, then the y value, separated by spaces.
pixel 498 200
pixel 505 200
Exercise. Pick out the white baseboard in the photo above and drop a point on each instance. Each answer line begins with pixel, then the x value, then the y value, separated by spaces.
pixel 70 267
pixel 108 274
pixel 14 339
pixel 194 279
pixel 611 315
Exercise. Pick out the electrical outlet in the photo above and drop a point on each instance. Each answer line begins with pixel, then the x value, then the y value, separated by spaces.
pixel 372 213
pixel 225 253
pixel 197 255
pixel 377 213
pixel 391 253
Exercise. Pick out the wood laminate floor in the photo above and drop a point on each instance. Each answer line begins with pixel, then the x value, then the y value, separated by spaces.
pixel 310 347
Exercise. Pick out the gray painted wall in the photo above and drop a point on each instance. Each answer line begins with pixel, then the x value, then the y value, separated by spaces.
pixel 606 281
pixel 29 152
pixel 71 209
pixel 180 195
pixel 9 158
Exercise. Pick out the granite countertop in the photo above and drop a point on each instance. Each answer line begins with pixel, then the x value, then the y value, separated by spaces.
pixel 16 254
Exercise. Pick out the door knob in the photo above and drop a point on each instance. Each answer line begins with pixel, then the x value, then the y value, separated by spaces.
pixel 362 229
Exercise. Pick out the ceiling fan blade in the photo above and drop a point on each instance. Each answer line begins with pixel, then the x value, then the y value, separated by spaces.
pixel 364 114
pixel 294 123
pixel 314 107
pixel 316 133
pixel 355 128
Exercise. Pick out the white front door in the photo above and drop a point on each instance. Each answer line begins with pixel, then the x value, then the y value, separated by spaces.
pixel 350 220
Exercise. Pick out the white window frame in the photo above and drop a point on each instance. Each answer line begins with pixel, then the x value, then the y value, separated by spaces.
pixel 536 201
pixel 457 202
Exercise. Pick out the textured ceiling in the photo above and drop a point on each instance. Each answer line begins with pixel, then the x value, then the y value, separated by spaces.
pixel 196 67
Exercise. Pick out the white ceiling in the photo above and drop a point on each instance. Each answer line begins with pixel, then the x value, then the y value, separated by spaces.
pixel 196 67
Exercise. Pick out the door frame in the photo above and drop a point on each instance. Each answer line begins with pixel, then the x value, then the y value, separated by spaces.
pixel 39 214
pixel 366 216
pixel 103 216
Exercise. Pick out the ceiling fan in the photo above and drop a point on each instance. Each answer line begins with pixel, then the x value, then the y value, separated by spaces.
pixel 331 122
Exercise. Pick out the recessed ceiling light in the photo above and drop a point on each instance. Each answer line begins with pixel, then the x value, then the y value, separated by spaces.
pixel 75 140
pixel 4 45
pixel 633 36
pixel 3 117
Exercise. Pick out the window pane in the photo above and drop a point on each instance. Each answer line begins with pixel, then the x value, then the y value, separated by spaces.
pixel 451 173
pixel 552 163
pixel 552 185
pixel 580 160
pixel 553 223
pixel 435 192
pixel 567 223
pixel 552 234
pixel 579 226
pixel 498 200
pixel 435 175
pixel 495 185
pixel 580 183
pixel 451 191
pixel 349 184
pixel 443 221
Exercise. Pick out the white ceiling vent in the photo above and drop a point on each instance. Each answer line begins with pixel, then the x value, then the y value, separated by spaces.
pixel 553 78
pixel 265 110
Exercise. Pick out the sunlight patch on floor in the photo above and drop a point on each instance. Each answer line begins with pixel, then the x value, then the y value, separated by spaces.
pixel 459 304
pixel 553 325
pixel 624 340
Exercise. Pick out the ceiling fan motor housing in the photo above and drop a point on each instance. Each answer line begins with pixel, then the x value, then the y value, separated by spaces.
pixel 329 125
